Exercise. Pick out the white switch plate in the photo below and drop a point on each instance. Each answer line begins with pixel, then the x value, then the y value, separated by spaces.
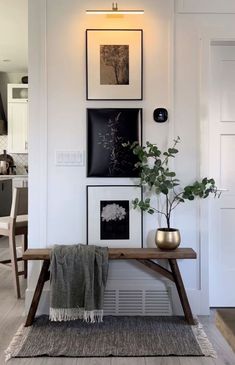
pixel 69 158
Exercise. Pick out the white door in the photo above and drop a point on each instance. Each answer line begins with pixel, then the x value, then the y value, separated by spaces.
pixel 222 168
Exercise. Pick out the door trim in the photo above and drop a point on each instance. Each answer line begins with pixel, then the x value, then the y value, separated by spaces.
pixel 38 124
pixel 38 138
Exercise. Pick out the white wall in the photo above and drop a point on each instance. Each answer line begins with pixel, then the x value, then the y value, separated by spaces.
pixel 58 119
pixel 58 112
pixel 67 104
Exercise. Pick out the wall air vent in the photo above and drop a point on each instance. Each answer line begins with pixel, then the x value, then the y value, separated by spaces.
pixel 149 302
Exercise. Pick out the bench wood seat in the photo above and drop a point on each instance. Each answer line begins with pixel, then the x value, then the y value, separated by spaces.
pixel 123 253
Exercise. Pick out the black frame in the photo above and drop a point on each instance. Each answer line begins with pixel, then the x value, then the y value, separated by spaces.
pixel 92 143
pixel 112 186
pixel 141 60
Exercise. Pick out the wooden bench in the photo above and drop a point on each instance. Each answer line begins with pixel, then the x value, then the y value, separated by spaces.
pixel 142 255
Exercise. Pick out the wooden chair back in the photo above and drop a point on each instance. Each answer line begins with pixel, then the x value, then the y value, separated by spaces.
pixel 19 204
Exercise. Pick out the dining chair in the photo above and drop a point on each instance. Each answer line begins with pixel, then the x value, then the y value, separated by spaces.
pixel 12 226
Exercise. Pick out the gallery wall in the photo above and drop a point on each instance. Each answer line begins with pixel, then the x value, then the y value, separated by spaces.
pixel 171 55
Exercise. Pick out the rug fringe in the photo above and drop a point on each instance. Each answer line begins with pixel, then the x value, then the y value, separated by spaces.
pixel 71 314
pixel 17 342
pixel 202 339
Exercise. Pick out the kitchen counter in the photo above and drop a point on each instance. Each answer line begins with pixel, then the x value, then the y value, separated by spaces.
pixel 13 176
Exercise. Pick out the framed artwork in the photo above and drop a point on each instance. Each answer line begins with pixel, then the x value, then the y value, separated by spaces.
pixel 114 64
pixel 111 219
pixel 107 130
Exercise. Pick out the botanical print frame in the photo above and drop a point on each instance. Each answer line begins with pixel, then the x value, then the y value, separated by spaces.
pixel 111 219
pixel 114 64
pixel 107 130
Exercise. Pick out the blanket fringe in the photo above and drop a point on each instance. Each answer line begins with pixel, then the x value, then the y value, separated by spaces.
pixel 71 314
pixel 202 339
pixel 17 342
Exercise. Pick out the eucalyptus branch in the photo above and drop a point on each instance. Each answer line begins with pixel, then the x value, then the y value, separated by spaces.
pixel 176 205
pixel 176 198
pixel 160 180
pixel 165 161
pixel 158 211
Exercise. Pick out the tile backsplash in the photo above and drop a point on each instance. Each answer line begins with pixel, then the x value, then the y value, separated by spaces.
pixel 20 159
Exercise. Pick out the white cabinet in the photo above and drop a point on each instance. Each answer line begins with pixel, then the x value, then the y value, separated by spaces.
pixel 18 118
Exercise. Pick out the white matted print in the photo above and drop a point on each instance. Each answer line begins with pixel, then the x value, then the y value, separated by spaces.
pixel 111 219
pixel 114 69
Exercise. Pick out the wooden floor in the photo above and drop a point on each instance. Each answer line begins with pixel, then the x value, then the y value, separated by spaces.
pixel 12 315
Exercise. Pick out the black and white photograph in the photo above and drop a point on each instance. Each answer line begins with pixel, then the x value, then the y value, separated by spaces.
pixel 108 130
pixel 114 64
pixel 112 220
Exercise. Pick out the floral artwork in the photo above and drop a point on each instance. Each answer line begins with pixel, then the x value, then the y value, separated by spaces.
pixel 111 219
pixel 108 130
pixel 114 220
pixel 112 212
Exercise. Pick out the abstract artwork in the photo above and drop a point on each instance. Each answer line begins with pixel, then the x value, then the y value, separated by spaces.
pixel 114 64
pixel 108 130
pixel 111 219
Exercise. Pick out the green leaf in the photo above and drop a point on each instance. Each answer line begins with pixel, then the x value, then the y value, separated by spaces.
pixel 171 174
pixel 164 189
pixel 172 150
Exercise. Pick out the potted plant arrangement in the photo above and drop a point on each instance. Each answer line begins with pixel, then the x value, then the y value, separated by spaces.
pixel 158 179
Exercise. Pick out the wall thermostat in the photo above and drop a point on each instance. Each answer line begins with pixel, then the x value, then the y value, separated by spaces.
pixel 160 115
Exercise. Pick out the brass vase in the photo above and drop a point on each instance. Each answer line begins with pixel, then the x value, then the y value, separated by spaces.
pixel 167 238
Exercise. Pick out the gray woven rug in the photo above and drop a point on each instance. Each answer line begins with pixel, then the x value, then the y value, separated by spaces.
pixel 115 336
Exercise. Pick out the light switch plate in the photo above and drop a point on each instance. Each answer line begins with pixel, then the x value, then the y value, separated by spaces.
pixel 70 158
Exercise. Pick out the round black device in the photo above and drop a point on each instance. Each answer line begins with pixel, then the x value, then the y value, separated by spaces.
pixel 160 115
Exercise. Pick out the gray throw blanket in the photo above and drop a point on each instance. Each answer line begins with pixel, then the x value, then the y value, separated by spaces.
pixel 78 275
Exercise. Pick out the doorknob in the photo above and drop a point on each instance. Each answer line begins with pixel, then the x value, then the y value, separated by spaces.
pixel 220 191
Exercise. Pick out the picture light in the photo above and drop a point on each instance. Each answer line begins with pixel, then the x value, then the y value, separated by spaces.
pixel 114 10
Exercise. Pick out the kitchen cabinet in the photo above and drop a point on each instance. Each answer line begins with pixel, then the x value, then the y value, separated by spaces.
pixel 5 197
pixel 17 118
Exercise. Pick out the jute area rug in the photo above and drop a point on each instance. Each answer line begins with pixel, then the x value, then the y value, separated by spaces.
pixel 115 336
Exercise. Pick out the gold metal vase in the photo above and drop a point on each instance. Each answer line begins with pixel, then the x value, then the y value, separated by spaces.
pixel 167 238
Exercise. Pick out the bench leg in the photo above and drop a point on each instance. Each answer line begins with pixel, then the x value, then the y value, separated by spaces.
pixel 181 291
pixel 43 277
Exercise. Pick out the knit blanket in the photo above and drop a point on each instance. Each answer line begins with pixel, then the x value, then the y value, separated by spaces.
pixel 78 275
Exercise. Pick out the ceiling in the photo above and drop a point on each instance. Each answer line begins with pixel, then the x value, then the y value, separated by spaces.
pixel 14 35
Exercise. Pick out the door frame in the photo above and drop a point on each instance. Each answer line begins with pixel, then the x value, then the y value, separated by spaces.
pixel 206 41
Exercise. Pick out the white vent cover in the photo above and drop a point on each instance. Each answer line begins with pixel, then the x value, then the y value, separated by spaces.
pixel 149 302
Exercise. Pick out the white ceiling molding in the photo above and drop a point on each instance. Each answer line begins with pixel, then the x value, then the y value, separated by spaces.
pixel 205 6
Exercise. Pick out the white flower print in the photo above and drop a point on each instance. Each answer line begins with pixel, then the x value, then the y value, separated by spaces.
pixel 113 212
